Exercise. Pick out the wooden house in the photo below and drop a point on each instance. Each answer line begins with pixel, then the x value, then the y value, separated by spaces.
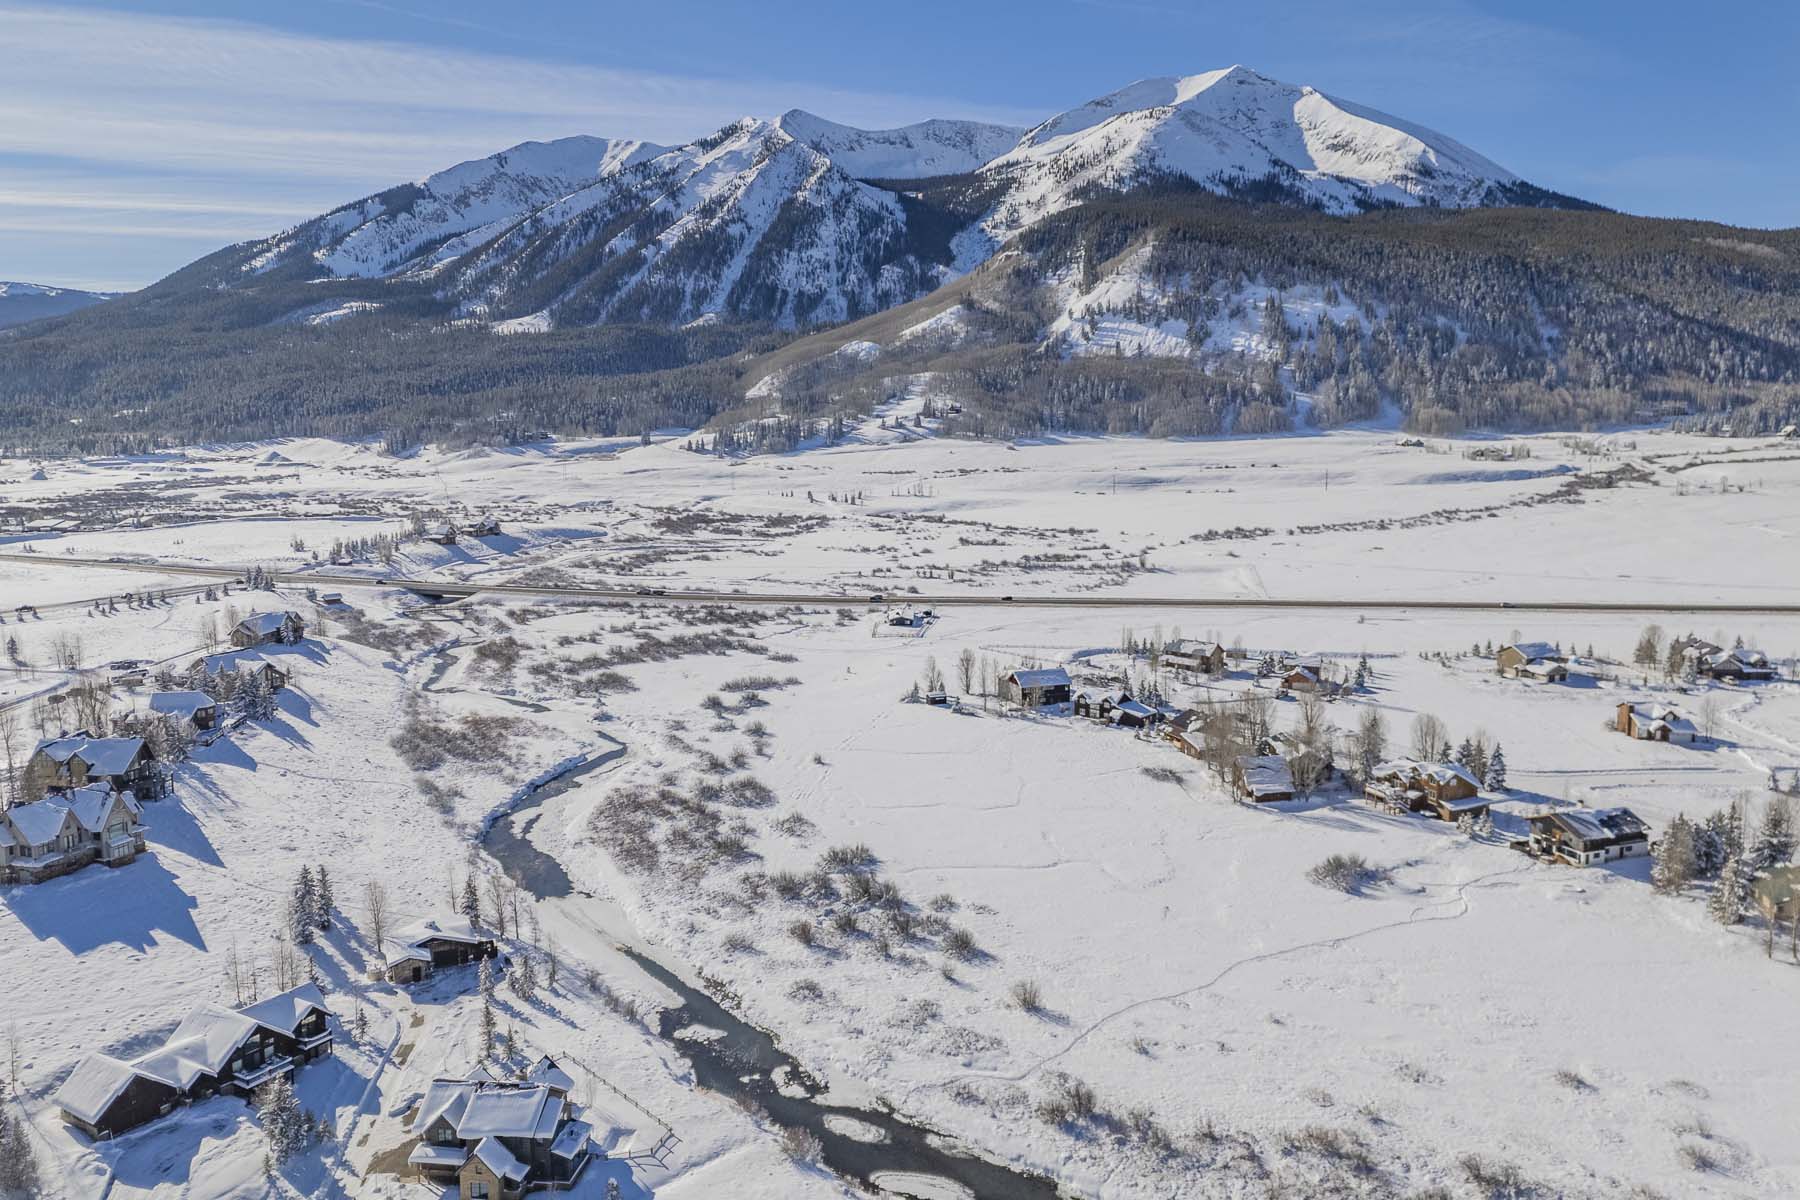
pixel 1741 664
pixel 1304 678
pixel 1509 659
pixel 1115 706
pixel 1036 687
pixel 1654 723
pixel 1262 778
pixel 245 664
pixel 1445 790
pixel 419 950
pixel 65 763
pixel 1198 657
pixel 268 629
pixel 212 1051
pixel 66 831
pixel 444 534
pixel 198 709
pixel 1584 836
pixel 482 526
pixel 1543 670
pixel 497 1139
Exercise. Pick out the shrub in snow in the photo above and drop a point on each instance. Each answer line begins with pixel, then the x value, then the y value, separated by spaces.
pixel 960 943
pixel 803 1145
pixel 1348 873
pixel 1026 995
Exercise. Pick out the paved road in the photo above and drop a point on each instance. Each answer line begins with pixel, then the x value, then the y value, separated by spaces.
pixel 449 589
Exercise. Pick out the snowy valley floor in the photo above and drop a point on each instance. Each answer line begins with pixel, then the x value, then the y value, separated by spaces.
pixel 1243 1031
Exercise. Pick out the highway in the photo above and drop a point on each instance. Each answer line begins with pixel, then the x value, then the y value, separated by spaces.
pixel 449 589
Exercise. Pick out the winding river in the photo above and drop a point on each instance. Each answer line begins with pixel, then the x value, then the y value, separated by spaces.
pixel 877 1148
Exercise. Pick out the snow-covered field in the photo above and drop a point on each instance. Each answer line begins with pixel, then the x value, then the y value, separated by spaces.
pixel 1242 1029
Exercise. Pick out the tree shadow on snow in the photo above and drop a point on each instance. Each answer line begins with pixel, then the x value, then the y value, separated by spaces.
pixel 98 906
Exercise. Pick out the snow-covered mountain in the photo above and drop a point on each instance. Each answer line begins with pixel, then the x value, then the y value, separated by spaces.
pixel 777 221
pixel 22 302
pixel 919 151
pixel 1234 131
pixel 419 225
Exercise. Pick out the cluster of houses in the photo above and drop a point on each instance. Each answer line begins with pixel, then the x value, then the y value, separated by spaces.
pixel 448 533
pixel 213 1051
pixel 1447 791
pixel 1740 663
pixel 496 1139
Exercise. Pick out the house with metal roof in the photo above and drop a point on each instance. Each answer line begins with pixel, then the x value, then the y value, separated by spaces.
pixel 1582 837
pixel 500 1138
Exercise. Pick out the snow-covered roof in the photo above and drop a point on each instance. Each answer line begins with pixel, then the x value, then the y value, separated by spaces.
pixel 394 953
pixel 500 1110
pixel 38 823
pixel 211 1036
pixel 1438 772
pixel 1542 666
pixel 1193 648
pixel 1136 708
pixel 497 1158
pixel 444 1098
pixel 405 945
pixel 92 1086
pixel 283 1013
pixel 571 1139
pixel 1531 650
pixel 1265 774
pixel 1101 696
pixel 1598 824
pixel 104 756
pixel 177 1064
pixel 426 1154
pixel 1041 677
pixel 546 1072
pixel 180 704
pixel 264 624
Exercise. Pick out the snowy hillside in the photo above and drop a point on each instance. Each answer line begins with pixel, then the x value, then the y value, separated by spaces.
pixel 910 152
pixel 1230 131
pixel 22 302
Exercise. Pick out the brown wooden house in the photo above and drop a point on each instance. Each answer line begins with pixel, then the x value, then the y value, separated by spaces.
pixel 1444 790
pixel 1036 687
pixel 1198 657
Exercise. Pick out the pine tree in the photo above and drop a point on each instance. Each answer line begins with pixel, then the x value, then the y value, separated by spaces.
pixel 524 977
pixel 485 973
pixel 1732 890
pixel 284 1123
pixel 487 1027
pixel 19 1174
pixel 322 900
pixel 303 910
pixel 1775 841
pixel 359 1027
pixel 1495 778
pixel 1672 862
pixel 1468 757
pixel 470 906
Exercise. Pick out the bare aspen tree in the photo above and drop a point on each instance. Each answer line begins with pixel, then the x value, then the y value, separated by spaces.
pixel 965 670
pixel 9 748
pixel 1428 736
pixel 375 902
pixel 497 902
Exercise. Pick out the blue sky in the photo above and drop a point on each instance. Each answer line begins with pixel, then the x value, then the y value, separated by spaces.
pixel 135 138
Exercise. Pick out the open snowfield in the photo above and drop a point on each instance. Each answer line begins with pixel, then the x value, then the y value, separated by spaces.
pixel 1244 1031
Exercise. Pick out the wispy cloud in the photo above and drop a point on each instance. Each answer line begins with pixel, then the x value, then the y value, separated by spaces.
pixel 213 108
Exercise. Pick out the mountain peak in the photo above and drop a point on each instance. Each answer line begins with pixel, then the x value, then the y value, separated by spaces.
pixel 917 151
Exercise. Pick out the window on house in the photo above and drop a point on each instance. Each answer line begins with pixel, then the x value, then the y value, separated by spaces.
pixel 478 1189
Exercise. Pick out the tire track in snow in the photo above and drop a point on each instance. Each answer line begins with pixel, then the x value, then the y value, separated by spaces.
pixel 1460 899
